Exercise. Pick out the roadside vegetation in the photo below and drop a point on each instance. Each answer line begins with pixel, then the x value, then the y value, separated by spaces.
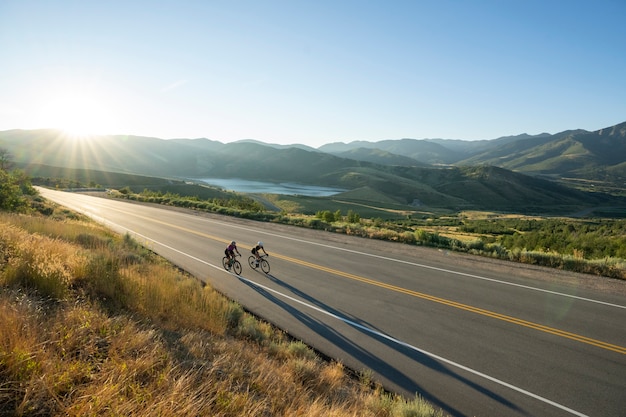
pixel 588 245
pixel 94 324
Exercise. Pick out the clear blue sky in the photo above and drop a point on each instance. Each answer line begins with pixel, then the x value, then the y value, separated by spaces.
pixel 313 72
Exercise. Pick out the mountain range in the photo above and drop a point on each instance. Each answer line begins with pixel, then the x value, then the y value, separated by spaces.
pixel 506 173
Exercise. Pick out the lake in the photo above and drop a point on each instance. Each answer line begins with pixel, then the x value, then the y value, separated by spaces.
pixel 248 186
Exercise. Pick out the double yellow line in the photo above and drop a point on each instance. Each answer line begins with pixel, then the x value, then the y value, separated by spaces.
pixel 483 312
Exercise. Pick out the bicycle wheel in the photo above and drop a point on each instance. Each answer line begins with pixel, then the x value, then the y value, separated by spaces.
pixel 265 266
pixel 237 267
pixel 225 263
pixel 252 262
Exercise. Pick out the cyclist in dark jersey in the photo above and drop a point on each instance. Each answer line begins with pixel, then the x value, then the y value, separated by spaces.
pixel 255 252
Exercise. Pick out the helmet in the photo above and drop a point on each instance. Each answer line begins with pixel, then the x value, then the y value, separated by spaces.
pixel 260 244
pixel 233 243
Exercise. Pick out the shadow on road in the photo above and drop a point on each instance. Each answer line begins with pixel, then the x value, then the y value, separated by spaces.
pixel 406 383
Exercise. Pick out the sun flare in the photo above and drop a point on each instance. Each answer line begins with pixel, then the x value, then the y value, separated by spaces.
pixel 79 116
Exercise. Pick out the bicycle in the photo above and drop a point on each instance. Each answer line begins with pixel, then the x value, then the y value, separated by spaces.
pixel 265 266
pixel 232 263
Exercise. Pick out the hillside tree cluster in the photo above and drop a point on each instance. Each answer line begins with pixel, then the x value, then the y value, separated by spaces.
pixel 14 185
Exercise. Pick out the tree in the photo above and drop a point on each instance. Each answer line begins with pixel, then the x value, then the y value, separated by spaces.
pixel 6 160
pixel 11 195
pixel 353 217
pixel 326 215
pixel 14 185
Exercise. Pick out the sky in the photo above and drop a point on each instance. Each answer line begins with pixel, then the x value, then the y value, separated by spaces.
pixel 313 72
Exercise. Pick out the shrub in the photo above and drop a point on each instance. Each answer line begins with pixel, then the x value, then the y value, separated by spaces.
pixel 252 329
pixel 353 217
pixel 298 349
pixel 234 314
pixel 13 188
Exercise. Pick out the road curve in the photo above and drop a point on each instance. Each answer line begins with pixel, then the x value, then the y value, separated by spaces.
pixel 475 336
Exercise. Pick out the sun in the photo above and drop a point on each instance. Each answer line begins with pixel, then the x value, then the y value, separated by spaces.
pixel 79 115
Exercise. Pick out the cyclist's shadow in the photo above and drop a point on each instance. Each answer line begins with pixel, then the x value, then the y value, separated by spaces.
pixel 362 354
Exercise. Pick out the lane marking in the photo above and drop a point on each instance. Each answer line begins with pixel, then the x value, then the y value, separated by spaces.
pixel 450 303
pixel 419 350
pixel 443 301
pixel 449 271
pixel 461 306
pixel 364 328
pixel 375 332
pixel 434 268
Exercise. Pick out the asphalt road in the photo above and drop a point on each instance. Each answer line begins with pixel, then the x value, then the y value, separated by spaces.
pixel 476 337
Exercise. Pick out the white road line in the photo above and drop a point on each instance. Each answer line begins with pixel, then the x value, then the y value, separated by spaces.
pixel 360 326
pixel 376 333
pixel 423 352
pixel 449 271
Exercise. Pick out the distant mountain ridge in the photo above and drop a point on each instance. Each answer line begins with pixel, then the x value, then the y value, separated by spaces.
pixel 423 151
pixel 577 154
pixel 429 172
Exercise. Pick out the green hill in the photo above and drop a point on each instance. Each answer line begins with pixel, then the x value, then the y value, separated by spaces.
pixel 572 154
pixel 103 159
pixel 566 154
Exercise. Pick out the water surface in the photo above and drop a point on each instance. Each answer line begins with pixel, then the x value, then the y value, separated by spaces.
pixel 289 188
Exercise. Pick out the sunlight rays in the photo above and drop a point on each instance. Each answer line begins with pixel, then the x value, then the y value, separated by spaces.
pixel 89 152
pixel 78 114
pixel 85 120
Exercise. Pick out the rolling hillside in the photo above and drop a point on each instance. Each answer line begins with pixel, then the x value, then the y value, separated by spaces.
pixel 389 174
pixel 572 154
pixel 378 156
pixel 420 151
pixel 479 187
pixel 119 153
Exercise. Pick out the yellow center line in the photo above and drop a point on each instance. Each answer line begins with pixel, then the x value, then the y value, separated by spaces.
pixel 503 317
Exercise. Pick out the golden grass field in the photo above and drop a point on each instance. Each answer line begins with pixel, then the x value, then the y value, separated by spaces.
pixel 94 324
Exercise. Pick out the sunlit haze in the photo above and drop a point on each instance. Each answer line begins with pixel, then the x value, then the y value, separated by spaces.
pixel 78 115
pixel 312 72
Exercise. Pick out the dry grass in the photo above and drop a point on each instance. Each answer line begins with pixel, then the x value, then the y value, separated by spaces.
pixel 92 324
pixel 482 215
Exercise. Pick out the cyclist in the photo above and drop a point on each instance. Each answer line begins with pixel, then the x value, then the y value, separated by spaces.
pixel 255 252
pixel 230 252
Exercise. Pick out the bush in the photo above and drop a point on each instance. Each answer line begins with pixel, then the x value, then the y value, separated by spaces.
pixel 353 217
pixel 14 187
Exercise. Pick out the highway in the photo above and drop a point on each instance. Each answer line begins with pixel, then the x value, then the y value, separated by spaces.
pixel 474 336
